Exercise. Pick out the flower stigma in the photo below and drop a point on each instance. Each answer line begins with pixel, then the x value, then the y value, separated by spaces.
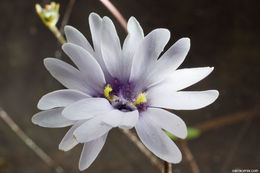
pixel 125 104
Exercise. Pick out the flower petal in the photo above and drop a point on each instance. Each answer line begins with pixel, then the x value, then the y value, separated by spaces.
pixel 183 78
pixel 90 152
pixel 117 118
pixel 76 37
pixel 131 44
pixel 147 54
pixel 51 118
pixel 68 141
pixel 95 24
pixel 174 56
pixel 87 65
pixel 169 61
pixel 111 48
pixel 87 108
pixel 135 35
pixel 156 140
pixel 66 74
pixel 60 98
pixel 90 130
pixel 168 121
pixel 182 100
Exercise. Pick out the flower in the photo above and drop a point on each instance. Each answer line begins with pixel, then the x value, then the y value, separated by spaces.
pixel 121 87
pixel 50 14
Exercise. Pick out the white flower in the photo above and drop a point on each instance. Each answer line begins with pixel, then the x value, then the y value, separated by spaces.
pixel 121 87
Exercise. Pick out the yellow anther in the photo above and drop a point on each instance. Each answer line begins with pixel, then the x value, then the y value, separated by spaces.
pixel 74 137
pixel 141 98
pixel 107 91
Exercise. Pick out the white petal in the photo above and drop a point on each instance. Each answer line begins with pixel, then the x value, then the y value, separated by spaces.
pixel 90 130
pixel 169 61
pixel 87 108
pixel 175 55
pixel 135 35
pixel 129 120
pixel 76 37
pixel 118 118
pixel 147 54
pixel 156 140
pixel 110 48
pixel 66 74
pixel 60 98
pixel 131 44
pixel 68 141
pixel 87 64
pixel 182 100
pixel 90 152
pixel 51 118
pixel 168 121
pixel 95 24
pixel 183 78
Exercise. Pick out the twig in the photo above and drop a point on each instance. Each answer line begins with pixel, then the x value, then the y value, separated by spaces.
pixel 57 34
pixel 67 14
pixel 189 157
pixel 236 143
pixel 29 142
pixel 115 12
pixel 227 120
pixel 167 167
pixel 142 148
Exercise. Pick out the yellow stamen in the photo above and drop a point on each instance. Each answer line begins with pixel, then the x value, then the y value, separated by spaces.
pixel 141 98
pixel 107 91
pixel 74 137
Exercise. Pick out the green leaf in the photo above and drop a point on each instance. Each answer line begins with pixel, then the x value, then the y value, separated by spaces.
pixel 192 134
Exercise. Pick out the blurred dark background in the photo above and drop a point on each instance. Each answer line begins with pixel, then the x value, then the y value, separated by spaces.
pixel 224 34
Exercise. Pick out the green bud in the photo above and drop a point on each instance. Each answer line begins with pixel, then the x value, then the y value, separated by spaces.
pixel 50 14
pixel 192 134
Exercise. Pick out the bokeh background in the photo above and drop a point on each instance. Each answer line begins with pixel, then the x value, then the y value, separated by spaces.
pixel 224 34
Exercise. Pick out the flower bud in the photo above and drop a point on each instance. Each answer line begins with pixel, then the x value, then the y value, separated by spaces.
pixel 50 14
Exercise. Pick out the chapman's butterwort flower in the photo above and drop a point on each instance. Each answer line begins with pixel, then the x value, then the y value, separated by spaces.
pixel 121 87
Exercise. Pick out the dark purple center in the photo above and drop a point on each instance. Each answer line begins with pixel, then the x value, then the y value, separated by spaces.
pixel 124 97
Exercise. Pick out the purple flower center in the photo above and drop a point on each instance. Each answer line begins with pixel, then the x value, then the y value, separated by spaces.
pixel 122 97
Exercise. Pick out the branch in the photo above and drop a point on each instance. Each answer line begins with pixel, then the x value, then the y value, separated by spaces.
pixel 142 148
pixel 227 120
pixel 67 14
pixel 189 157
pixel 167 167
pixel 29 142
pixel 237 141
pixel 58 34
pixel 115 12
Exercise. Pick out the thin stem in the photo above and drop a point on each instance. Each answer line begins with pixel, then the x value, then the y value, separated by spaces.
pixel 167 167
pixel 227 120
pixel 234 147
pixel 142 148
pixel 115 12
pixel 57 34
pixel 29 142
pixel 67 14
pixel 189 157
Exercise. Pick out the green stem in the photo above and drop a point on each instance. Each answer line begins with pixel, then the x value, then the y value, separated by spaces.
pixel 57 34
